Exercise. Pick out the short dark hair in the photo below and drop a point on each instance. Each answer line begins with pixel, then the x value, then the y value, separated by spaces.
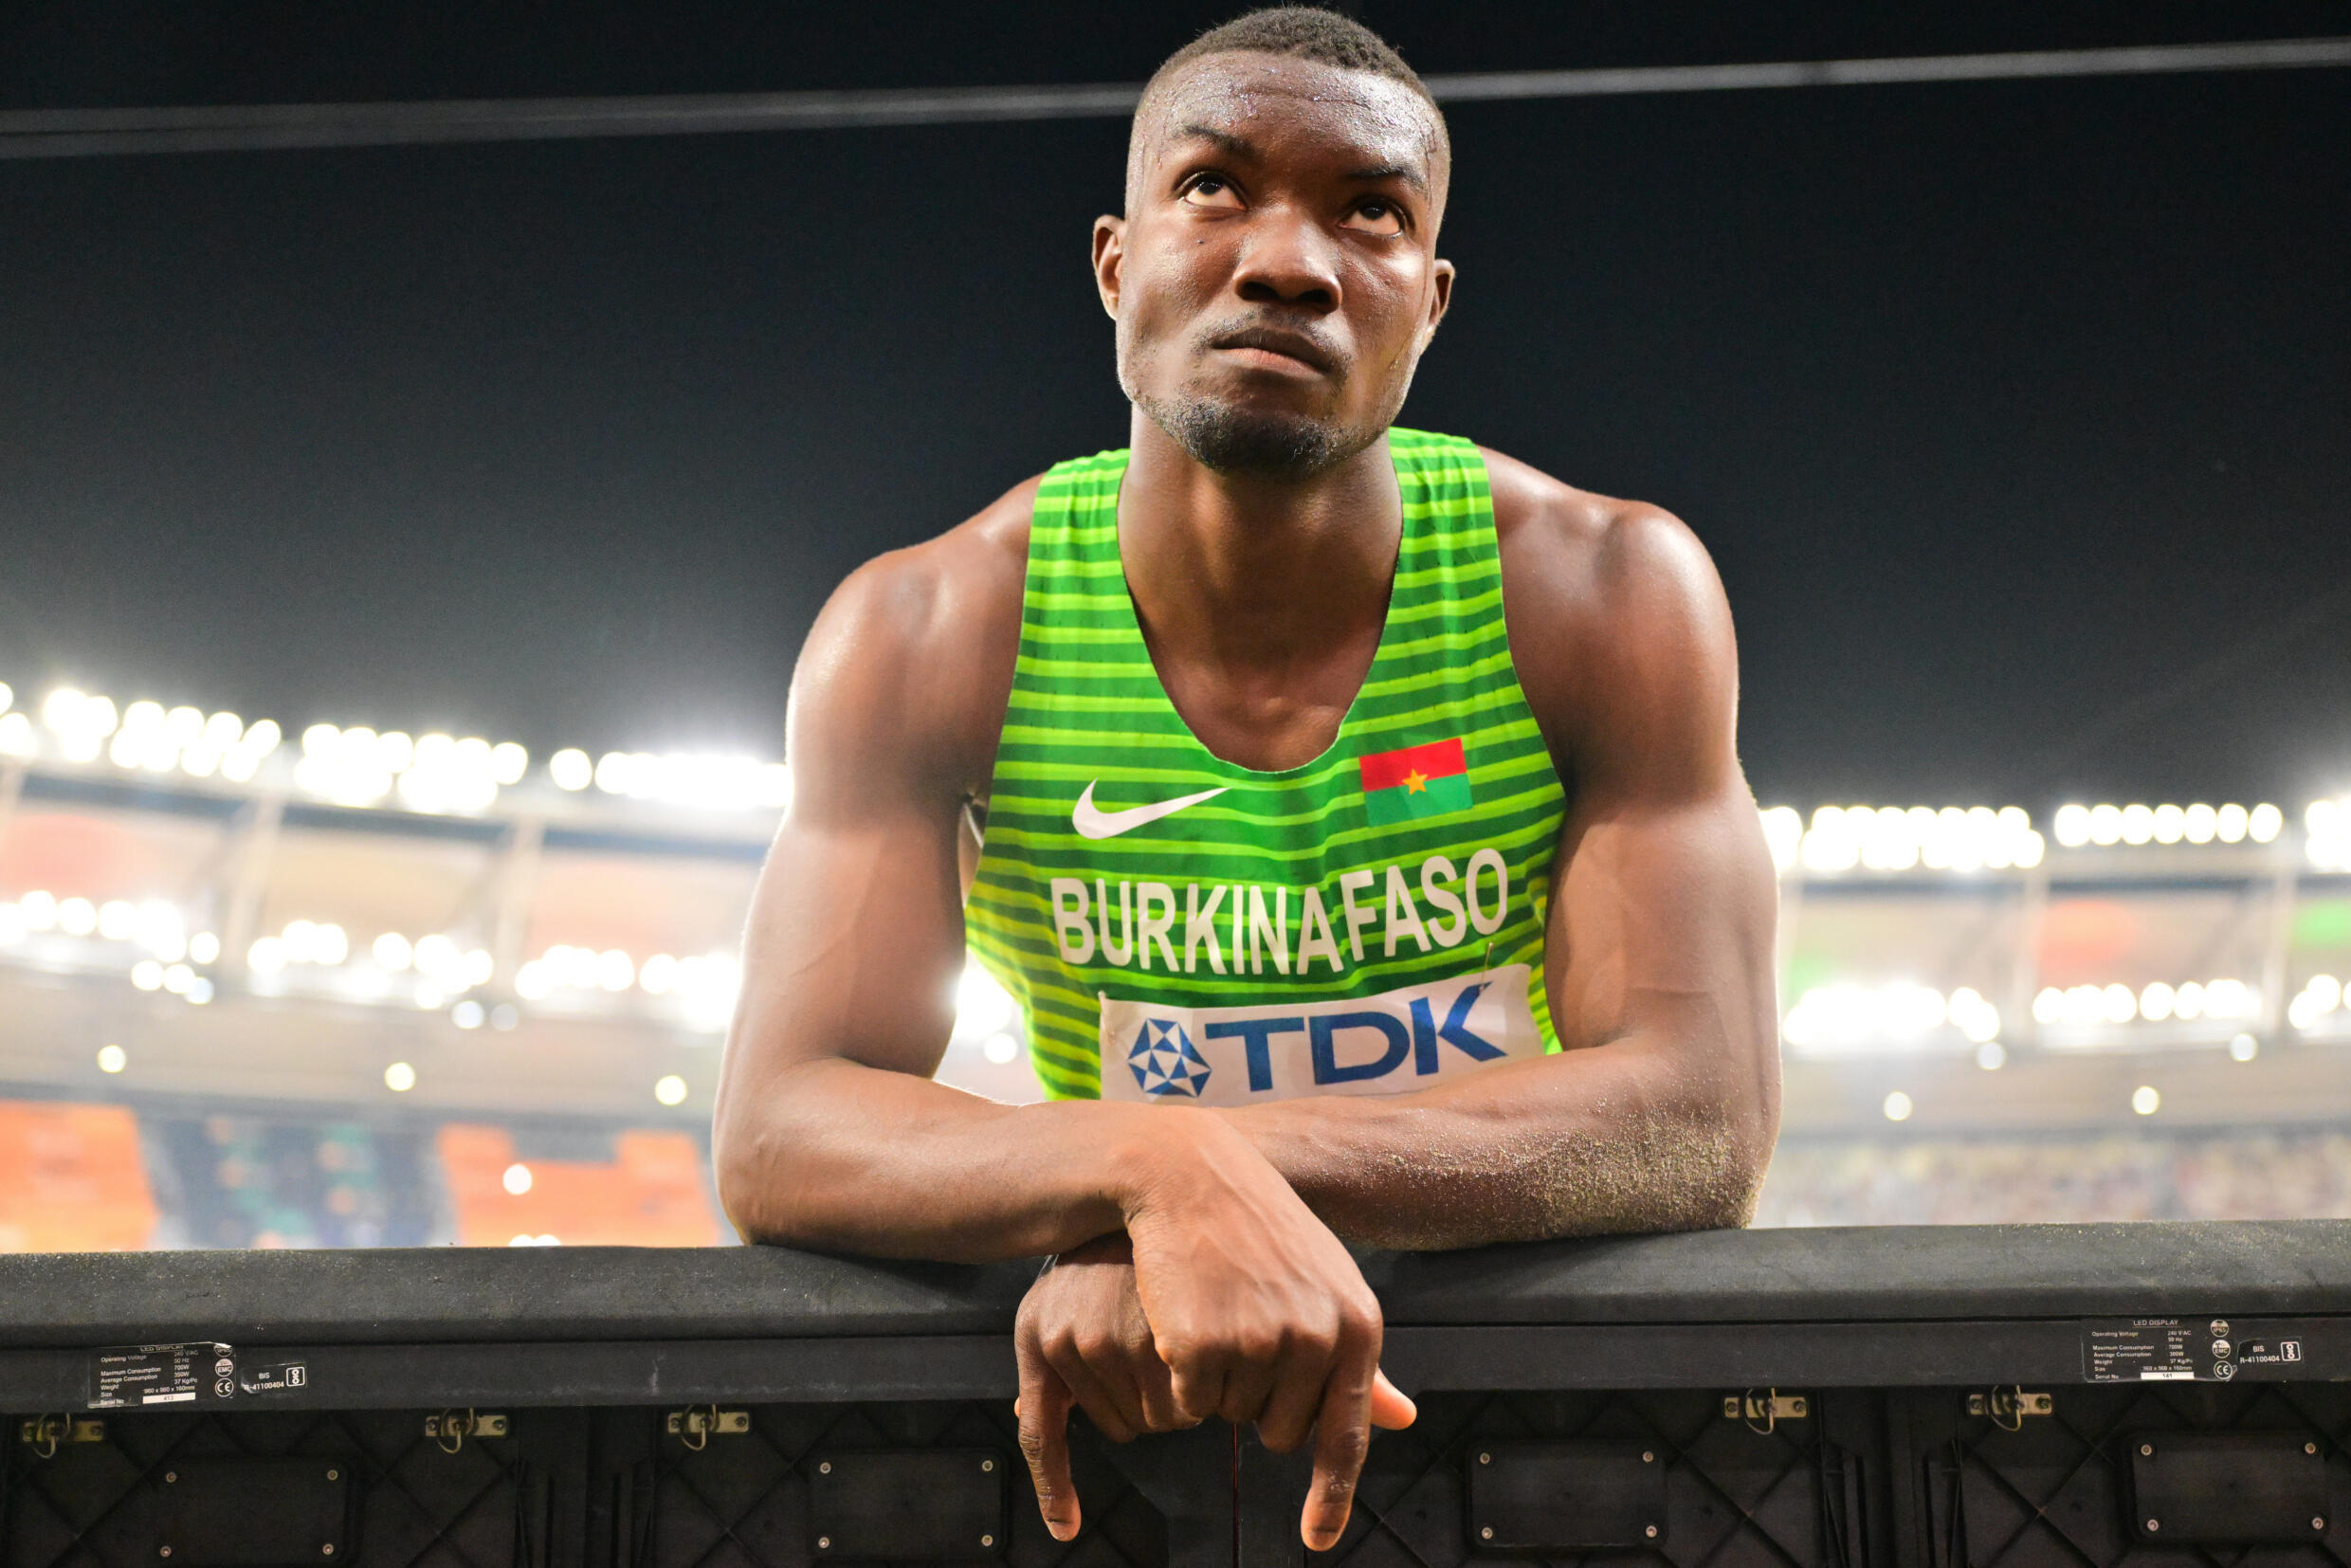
pixel 1301 32
pixel 1305 32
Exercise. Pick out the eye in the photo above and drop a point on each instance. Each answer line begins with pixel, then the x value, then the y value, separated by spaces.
pixel 1213 191
pixel 1377 216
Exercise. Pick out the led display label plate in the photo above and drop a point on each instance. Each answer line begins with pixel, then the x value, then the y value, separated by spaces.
pixel 2193 1350
pixel 199 1373
pixel 133 1376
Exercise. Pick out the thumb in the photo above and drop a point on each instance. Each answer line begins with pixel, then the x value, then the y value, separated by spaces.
pixel 1391 1410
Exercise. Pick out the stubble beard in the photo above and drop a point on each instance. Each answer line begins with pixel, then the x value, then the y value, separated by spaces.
pixel 1226 438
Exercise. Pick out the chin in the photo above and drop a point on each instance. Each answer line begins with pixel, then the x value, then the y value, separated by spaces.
pixel 1228 437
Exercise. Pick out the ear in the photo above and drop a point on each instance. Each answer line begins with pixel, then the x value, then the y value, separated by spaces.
pixel 1110 255
pixel 1440 299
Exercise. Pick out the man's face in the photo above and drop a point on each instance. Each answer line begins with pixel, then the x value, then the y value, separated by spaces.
pixel 1275 278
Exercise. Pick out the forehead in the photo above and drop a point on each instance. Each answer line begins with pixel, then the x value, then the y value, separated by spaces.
pixel 1280 104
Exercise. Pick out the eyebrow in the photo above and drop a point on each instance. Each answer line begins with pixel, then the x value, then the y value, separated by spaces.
pixel 1390 171
pixel 1241 147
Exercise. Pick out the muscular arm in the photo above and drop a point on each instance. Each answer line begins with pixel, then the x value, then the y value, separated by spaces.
pixel 830 1132
pixel 1661 1111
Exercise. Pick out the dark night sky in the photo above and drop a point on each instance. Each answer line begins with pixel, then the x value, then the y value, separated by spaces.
pixel 2018 415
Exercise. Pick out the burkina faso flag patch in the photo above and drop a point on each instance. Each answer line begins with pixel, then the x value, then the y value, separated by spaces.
pixel 1415 782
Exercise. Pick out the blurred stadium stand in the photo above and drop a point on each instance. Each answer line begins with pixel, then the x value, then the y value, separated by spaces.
pixel 358 988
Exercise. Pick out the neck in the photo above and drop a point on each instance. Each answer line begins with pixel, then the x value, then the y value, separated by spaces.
pixel 1251 572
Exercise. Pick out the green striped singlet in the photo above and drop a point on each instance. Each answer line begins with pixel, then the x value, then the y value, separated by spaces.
pixel 1178 928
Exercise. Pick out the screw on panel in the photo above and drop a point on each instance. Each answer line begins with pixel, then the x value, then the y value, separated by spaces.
pixel 1486 1532
pixel 987 1465
pixel 2319 1522
pixel 2147 1448
pixel 327 1550
pixel 1648 1456
pixel 1649 1530
pixel 987 1541
pixel 824 1543
pixel 1486 1459
pixel 2154 1524
pixel 2310 1448
pixel 825 1469
pixel 163 1551
pixel 334 1475
pixel 171 1475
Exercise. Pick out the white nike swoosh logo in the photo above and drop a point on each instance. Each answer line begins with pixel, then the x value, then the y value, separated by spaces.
pixel 1091 821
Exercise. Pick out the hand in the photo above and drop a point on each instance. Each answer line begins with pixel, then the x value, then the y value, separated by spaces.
pixel 1238 1303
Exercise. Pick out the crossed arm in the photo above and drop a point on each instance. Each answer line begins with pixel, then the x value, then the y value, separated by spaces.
pixel 1202 1268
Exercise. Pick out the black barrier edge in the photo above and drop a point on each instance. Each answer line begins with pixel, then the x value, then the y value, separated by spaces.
pixel 449 1295
pixel 1729 1355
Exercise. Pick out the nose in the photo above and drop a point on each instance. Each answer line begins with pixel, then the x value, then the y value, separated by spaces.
pixel 1289 260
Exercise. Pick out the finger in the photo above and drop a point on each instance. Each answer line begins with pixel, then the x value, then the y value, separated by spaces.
pixel 1249 1384
pixel 1392 1409
pixel 1044 1412
pixel 1297 1397
pixel 1103 1397
pixel 1196 1385
pixel 1154 1391
pixel 1342 1436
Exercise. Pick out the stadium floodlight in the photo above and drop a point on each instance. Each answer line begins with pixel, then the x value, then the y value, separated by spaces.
pixel 40 909
pixel 399 1078
pixel 392 951
pixel 509 762
pixel 77 916
pixel 1897 1107
pixel 16 736
pixel 2264 823
pixel 571 770
pixel 1992 1056
pixel 147 975
pixel 199 990
pixel 2244 1048
pixel 204 947
pixel 112 1059
pixel 669 1090
pixel 2230 823
pixel 2155 1002
pixel 2200 823
pixel 615 971
pixel 1000 1049
pixel 658 975
pixel 517 1179
pixel 982 1007
pixel 2170 824
pixel 116 920
pixel 1783 830
pixel 7 696
pixel 266 955
pixel 2145 1101
pixel 2137 824
pixel 468 1015
pixel 2105 825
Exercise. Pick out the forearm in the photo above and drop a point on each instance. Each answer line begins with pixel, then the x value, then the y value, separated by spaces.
pixel 1617 1138
pixel 833 1154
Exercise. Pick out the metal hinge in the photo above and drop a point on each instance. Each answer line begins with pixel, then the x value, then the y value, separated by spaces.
pixel 1771 1406
pixel 2010 1405
pixel 696 1426
pixel 451 1428
pixel 43 1434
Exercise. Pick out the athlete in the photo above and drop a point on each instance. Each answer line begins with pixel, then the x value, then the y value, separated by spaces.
pixel 1353 812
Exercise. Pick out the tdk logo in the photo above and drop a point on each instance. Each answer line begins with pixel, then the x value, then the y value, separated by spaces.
pixel 1396 1041
pixel 1164 1062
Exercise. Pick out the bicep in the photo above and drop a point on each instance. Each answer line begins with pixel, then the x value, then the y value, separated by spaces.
pixel 855 934
pixel 1666 898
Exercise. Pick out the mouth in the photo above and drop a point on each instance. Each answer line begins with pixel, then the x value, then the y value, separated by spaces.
pixel 1270 348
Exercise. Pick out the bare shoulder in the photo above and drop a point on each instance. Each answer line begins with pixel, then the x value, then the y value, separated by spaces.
pixel 912 656
pixel 1610 603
